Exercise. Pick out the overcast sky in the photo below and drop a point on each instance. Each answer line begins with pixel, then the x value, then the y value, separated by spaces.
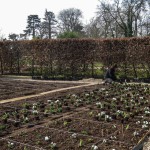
pixel 14 13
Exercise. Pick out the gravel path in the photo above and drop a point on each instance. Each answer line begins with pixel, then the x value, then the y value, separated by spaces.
pixel 147 145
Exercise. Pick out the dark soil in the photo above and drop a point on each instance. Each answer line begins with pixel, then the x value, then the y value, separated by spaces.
pixel 16 88
pixel 77 126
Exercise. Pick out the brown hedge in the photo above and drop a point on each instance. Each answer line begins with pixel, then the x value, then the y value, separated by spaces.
pixel 72 54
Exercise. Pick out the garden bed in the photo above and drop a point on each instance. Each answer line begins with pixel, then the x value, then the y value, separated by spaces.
pixel 10 88
pixel 102 117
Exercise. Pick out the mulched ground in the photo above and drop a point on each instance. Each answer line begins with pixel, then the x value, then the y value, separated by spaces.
pixel 78 119
pixel 10 88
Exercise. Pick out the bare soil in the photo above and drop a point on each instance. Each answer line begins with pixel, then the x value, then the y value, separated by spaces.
pixel 72 122
pixel 10 88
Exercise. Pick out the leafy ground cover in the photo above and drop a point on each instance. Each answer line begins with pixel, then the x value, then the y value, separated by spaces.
pixel 103 117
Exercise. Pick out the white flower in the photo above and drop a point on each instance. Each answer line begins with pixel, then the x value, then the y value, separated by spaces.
pixel 35 112
pixel 34 104
pixel 113 137
pixel 114 98
pixel 118 111
pixel 138 122
pixel 104 141
pixel 79 100
pixel 144 126
pixel 141 97
pixel 57 101
pixel 74 95
pixel 102 89
pixel 135 133
pixel 146 108
pixel 103 113
pixel 147 112
pixel 94 147
pixel 106 116
pixel 114 126
pixel 34 107
pixel 91 93
pixel 87 94
pixel 74 135
pixel 11 143
pixel 53 144
pixel 145 122
pixel 110 118
pixel 26 119
pixel 49 101
pixel 46 138
pixel 99 104
pixel 98 114
pixel 106 92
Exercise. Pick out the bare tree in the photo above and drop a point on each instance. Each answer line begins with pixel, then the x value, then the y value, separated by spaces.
pixel 122 15
pixel 145 25
pixel 94 29
pixel 2 36
pixel 70 20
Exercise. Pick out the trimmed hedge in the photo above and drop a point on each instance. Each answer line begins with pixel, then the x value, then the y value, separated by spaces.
pixel 73 57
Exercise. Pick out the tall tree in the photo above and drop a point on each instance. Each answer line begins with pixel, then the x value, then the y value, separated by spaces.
pixel 49 25
pixel 93 29
pixel 69 35
pixel 145 25
pixel 124 14
pixel 2 36
pixel 13 36
pixel 33 22
pixel 70 20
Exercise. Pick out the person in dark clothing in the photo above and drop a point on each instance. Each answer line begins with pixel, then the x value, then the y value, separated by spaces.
pixel 110 74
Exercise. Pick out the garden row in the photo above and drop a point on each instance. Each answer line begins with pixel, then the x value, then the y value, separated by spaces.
pixel 109 117
pixel 75 57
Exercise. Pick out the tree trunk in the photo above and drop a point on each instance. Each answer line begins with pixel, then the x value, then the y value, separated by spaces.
pixel 125 69
pixel 146 70
pixel 18 63
pixel 49 29
pixel 134 69
pixel 41 68
pixel 2 71
pixel 92 69
pixel 32 66
pixel 136 28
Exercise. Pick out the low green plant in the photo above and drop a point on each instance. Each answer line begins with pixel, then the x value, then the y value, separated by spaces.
pixel 65 123
pixel 81 143
pixel 5 116
pixel 84 132
pixel 2 127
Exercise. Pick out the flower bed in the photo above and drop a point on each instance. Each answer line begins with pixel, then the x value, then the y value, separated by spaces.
pixel 112 117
